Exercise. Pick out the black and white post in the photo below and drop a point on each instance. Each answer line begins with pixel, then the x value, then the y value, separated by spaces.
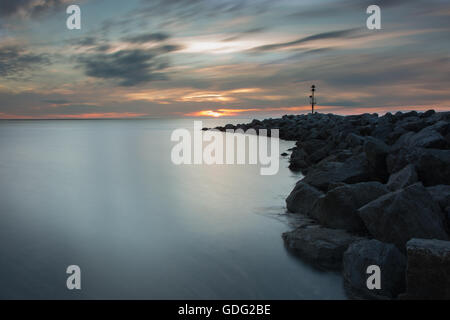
pixel 312 98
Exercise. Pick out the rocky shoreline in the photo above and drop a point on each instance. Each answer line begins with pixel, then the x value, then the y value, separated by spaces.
pixel 376 191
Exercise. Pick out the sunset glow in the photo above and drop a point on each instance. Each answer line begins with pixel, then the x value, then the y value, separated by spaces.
pixel 217 59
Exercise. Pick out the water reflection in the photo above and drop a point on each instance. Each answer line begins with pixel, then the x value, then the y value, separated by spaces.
pixel 104 195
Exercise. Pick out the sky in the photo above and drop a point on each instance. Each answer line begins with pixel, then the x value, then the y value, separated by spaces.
pixel 221 58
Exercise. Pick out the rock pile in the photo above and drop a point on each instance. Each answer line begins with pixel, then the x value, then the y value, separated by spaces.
pixel 372 184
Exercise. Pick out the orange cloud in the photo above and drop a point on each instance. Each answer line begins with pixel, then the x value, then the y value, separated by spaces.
pixel 305 109
pixel 233 112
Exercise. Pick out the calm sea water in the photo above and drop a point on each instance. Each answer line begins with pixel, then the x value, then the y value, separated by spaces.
pixel 104 195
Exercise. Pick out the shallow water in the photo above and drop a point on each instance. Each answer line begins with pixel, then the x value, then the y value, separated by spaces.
pixel 104 195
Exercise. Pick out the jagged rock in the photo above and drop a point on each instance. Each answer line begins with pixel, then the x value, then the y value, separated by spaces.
pixel 404 214
pixel 302 198
pixel 364 253
pixel 322 247
pixel 403 178
pixel 338 208
pixel 298 159
pixel 376 152
pixel 428 270
pixel 403 141
pixel 312 145
pixel 354 140
pixel 428 113
pixel 334 185
pixel 441 194
pixel 432 165
pixel 412 124
pixel 429 137
pixel 319 154
pixel 354 169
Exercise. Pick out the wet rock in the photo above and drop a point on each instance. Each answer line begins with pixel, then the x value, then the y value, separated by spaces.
pixel 427 138
pixel 302 198
pixel 298 159
pixel 404 214
pixel 433 166
pixel 320 246
pixel 428 270
pixel 428 113
pixel 403 178
pixel 354 169
pixel 376 152
pixel 338 208
pixel 362 254
pixel 354 140
pixel 441 194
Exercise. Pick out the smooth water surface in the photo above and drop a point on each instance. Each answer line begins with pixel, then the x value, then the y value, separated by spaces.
pixel 104 195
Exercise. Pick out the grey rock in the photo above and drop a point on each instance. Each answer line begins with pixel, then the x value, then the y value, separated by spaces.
pixel 320 246
pixel 428 113
pixel 441 194
pixel 302 198
pixel 427 138
pixel 403 141
pixel 403 178
pixel 428 270
pixel 354 140
pixel 338 208
pixel 376 152
pixel 432 165
pixel 364 253
pixel 404 214
pixel 354 169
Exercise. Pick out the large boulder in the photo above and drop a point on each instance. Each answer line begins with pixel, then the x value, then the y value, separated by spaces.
pixel 320 246
pixel 338 208
pixel 354 140
pixel 432 165
pixel 403 178
pixel 376 152
pixel 441 194
pixel 404 214
pixel 298 159
pixel 352 170
pixel 302 198
pixel 428 138
pixel 362 254
pixel 428 270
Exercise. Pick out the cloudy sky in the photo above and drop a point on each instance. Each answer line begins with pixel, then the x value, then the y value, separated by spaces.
pixel 240 58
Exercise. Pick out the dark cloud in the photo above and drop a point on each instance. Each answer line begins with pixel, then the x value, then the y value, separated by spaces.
pixel 56 101
pixel 320 36
pixel 148 37
pixel 245 33
pixel 128 67
pixel 85 42
pixel 30 7
pixel 15 61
